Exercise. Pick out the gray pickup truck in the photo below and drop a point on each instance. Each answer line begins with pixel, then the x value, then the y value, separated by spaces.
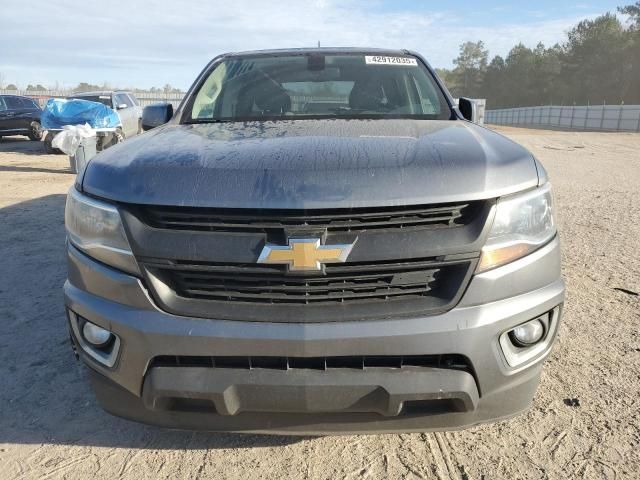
pixel 125 103
pixel 316 241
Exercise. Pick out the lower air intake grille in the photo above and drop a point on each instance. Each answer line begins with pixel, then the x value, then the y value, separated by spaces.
pixel 447 361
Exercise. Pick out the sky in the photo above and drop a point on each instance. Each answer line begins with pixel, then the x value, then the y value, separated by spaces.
pixel 129 43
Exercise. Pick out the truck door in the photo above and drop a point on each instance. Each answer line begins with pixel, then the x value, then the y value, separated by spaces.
pixel 127 113
pixel 138 110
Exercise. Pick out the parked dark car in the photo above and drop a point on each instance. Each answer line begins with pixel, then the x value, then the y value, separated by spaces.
pixel 20 116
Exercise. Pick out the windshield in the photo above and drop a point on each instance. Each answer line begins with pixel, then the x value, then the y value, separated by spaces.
pixel 317 86
pixel 104 99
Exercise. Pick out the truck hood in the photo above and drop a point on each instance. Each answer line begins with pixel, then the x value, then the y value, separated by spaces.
pixel 306 164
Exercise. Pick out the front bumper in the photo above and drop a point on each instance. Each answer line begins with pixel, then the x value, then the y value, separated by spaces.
pixel 317 402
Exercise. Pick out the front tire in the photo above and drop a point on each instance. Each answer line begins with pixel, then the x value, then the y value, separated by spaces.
pixel 35 132
pixel 112 139
pixel 48 148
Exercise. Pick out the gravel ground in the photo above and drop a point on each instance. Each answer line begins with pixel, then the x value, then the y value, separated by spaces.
pixel 584 423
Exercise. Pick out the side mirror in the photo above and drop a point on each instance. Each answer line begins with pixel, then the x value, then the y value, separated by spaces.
pixel 155 115
pixel 121 106
pixel 467 108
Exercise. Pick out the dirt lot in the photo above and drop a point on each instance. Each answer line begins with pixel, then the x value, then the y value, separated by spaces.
pixel 585 422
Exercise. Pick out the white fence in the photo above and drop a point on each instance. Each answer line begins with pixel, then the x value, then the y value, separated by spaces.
pixel 590 117
pixel 298 101
pixel 145 98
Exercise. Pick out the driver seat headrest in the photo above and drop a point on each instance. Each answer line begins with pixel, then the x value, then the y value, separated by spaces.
pixel 273 100
pixel 366 95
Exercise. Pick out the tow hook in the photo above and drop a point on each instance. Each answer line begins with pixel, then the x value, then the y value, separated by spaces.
pixel 74 347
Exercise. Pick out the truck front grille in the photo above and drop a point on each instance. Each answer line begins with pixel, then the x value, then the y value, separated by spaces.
pixel 202 262
pixel 341 284
pixel 343 220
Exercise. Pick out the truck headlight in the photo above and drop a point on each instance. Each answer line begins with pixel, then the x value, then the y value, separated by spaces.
pixel 95 228
pixel 522 224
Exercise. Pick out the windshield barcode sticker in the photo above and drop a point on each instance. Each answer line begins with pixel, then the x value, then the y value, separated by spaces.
pixel 377 60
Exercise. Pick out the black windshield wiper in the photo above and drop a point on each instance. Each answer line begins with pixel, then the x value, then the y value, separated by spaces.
pixel 207 120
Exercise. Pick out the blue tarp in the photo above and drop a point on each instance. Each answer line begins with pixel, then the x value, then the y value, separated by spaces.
pixel 58 113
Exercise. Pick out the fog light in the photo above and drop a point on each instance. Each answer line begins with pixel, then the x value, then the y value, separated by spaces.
pixel 95 335
pixel 528 333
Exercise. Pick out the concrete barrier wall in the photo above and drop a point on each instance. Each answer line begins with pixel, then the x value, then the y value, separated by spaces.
pixel 590 117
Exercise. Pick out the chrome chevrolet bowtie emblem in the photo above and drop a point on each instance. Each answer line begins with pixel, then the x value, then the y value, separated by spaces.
pixel 305 254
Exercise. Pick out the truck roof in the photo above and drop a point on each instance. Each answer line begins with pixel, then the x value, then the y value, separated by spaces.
pixel 321 51
pixel 98 92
